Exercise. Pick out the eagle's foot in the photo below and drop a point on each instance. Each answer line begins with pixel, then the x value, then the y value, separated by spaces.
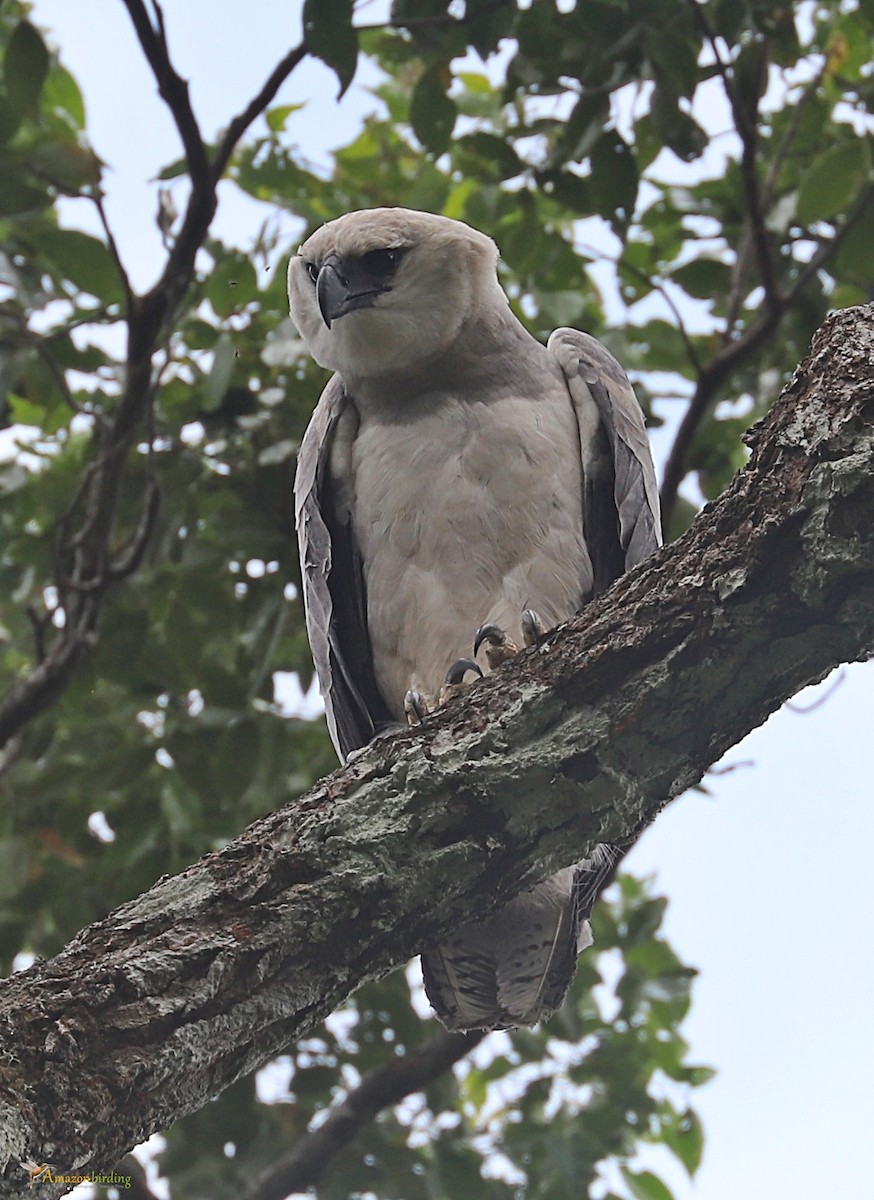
pixel 415 707
pixel 454 684
pixel 499 646
pixel 533 629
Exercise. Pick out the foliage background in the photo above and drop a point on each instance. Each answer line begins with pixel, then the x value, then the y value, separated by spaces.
pixel 172 727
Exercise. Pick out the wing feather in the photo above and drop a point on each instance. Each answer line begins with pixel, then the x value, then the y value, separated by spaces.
pixel 623 523
pixel 333 582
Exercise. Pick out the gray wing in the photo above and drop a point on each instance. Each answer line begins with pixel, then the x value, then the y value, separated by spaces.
pixel 621 518
pixel 333 585
pixel 622 523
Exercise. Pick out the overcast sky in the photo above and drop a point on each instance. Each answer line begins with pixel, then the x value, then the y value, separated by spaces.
pixel 769 876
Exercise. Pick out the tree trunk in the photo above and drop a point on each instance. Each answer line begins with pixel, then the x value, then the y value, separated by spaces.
pixel 150 1012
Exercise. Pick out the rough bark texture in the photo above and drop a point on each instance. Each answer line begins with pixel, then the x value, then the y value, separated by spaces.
pixel 148 1013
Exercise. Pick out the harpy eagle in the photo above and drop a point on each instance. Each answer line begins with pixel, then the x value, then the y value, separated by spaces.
pixel 456 473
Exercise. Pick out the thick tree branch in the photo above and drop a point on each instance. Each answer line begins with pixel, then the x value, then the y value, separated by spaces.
pixel 148 1013
pixel 380 1088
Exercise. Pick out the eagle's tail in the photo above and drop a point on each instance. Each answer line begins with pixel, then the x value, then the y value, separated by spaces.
pixel 514 967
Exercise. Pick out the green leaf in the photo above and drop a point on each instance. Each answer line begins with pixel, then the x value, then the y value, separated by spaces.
pixel 220 375
pixel 61 92
pixel 26 412
pixel 703 278
pixel 25 67
pixel 232 285
pixel 686 1139
pixel 833 180
pixel 69 166
pixel 276 118
pixel 173 170
pixel 855 258
pixel 432 112
pixel 9 121
pixel 493 150
pixel 18 197
pixel 14 861
pixel 83 260
pixel 614 179
pixel 679 130
pixel 330 36
pixel 643 1185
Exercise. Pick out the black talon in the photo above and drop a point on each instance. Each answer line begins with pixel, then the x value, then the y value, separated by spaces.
pixel 459 668
pixel 532 628
pixel 499 645
pixel 415 708
pixel 454 683
pixel 493 634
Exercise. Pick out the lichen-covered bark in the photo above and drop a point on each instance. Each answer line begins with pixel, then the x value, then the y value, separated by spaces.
pixel 147 1014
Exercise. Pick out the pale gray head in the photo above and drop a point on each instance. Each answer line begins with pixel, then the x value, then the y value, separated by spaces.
pixel 379 291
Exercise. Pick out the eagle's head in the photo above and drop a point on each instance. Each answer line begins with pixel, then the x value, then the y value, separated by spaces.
pixel 381 291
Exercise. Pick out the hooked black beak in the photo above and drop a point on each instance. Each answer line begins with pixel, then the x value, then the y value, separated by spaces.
pixel 342 287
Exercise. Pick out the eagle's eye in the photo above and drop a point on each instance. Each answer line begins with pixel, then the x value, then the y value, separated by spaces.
pixel 381 263
pixel 312 270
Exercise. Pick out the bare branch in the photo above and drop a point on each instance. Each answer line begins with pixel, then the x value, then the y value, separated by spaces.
pixel 97 199
pixel 829 248
pixel 380 1088
pixel 121 567
pixel 172 88
pixel 802 710
pixel 39 622
pixel 747 126
pixel 241 123
pixel 658 285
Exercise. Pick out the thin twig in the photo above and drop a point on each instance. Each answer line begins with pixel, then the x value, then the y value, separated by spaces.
pixel 726 359
pixel 38 623
pixel 243 120
pixel 97 198
pixel 746 124
pixel 659 286
pixel 172 88
pixel 828 249
pixel 121 567
pixel 791 132
pixel 38 343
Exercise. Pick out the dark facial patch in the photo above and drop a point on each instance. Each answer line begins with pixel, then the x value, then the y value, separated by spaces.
pixel 344 283
pixel 381 264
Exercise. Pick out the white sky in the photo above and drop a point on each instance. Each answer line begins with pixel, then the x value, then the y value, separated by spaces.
pixel 769 877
